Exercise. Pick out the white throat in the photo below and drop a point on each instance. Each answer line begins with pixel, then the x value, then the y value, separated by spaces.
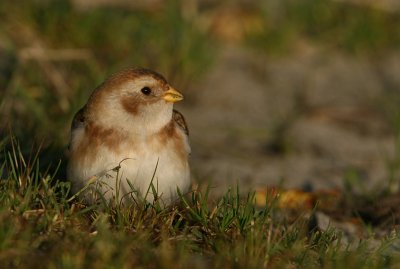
pixel 148 121
pixel 154 117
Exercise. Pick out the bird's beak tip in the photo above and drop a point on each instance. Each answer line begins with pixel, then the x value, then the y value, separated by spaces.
pixel 172 95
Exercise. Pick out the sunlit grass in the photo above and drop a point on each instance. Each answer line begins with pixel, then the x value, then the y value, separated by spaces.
pixel 42 225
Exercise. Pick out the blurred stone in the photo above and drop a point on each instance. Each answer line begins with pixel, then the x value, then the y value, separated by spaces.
pixel 350 230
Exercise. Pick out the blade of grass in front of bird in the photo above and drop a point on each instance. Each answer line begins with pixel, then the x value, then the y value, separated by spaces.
pixel 189 207
pixel 152 178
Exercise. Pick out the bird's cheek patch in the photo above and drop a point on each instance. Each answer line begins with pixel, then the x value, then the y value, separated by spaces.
pixel 130 104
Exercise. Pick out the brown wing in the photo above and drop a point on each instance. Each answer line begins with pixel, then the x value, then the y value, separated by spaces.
pixel 180 120
pixel 78 121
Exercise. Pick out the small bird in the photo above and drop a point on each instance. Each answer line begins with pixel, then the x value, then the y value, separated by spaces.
pixel 128 141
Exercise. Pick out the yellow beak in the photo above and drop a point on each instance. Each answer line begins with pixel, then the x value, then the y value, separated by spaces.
pixel 172 95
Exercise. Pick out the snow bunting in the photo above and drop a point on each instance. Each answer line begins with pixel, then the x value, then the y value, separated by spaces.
pixel 128 140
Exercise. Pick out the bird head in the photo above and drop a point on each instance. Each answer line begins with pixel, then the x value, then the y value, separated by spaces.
pixel 134 97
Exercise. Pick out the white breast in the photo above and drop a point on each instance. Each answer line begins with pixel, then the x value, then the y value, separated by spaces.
pixel 131 171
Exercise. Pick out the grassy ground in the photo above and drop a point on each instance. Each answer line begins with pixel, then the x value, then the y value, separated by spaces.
pixel 42 225
pixel 52 56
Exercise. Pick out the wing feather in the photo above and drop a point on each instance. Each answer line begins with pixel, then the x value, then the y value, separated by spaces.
pixel 180 120
pixel 79 119
pixel 77 122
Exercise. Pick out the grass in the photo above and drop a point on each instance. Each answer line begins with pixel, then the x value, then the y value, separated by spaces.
pixel 43 225
pixel 338 25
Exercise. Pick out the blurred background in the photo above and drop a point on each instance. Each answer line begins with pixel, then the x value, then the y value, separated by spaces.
pixel 303 93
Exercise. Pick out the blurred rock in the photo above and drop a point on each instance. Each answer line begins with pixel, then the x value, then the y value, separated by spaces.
pixel 350 230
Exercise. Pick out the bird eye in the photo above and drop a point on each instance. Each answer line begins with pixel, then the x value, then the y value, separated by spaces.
pixel 146 90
